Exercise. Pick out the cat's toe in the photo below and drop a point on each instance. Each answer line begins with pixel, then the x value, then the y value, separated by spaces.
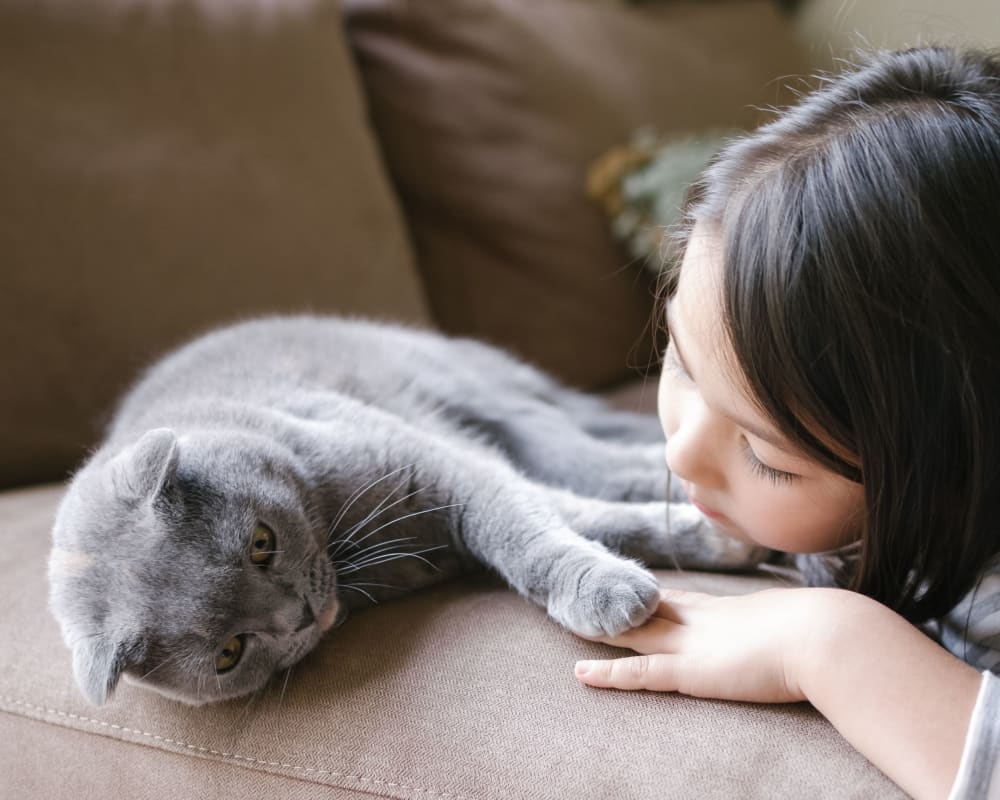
pixel 609 598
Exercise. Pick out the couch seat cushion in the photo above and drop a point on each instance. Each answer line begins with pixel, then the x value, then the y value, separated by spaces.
pixel 462 691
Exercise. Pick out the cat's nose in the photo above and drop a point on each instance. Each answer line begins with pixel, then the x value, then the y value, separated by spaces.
pixel 306 620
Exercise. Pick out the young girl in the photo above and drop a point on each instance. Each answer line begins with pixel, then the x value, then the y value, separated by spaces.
pixel 832 387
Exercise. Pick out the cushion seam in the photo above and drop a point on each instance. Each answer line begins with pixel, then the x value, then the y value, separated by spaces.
pixel 221 753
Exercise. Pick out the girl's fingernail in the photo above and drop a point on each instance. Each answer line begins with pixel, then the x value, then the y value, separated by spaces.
pixel 583 667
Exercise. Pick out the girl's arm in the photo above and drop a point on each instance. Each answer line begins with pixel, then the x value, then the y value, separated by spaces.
pixel 899 698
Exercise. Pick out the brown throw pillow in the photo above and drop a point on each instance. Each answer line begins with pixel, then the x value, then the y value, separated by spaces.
pixel 162 172
pixel 489 113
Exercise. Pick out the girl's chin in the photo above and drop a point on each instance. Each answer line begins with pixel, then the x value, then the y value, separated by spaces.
pixel 733 531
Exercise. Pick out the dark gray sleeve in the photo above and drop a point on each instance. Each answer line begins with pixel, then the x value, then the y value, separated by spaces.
pixel 979 772
pixel 971 630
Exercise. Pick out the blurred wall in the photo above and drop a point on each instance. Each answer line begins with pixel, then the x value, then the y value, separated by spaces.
pixel 834 28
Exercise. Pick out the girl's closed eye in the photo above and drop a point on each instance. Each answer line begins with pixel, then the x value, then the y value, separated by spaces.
pixel 776 476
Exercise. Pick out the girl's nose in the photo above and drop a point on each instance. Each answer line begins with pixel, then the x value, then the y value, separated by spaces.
pixel 693 448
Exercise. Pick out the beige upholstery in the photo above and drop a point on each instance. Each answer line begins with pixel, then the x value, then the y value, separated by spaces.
pixel 462 691
pixel 490 111
pixel 160 172
pixel 163 172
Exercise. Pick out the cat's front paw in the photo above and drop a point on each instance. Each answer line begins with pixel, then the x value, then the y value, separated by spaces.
pixel 607 597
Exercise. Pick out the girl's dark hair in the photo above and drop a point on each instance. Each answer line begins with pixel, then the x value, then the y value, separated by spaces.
pixel 860 235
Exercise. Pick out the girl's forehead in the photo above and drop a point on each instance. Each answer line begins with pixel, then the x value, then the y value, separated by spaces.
pixel 695 319
pixel 696 315
pixel 696 307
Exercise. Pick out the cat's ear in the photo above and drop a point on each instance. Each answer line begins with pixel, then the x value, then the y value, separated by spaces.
pixel 98 664
pixel 143 469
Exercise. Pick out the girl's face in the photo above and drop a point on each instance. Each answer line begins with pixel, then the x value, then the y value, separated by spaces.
pixel 733 463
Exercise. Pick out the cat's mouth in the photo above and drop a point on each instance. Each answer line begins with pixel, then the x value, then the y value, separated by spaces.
pixel 333 614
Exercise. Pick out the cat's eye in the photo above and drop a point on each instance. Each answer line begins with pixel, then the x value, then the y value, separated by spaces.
pixel 262 545
pixel 230 654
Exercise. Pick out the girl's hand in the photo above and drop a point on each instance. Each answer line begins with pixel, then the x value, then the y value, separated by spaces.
pixel 902 700
pixel 752 647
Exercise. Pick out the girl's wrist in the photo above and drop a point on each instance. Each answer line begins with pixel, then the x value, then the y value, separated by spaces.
pixel 892 692
pixel 835 622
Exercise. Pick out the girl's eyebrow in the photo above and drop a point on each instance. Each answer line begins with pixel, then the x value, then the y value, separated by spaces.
pixel 761 433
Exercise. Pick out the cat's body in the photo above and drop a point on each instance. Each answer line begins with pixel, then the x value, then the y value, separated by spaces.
pixel 259 483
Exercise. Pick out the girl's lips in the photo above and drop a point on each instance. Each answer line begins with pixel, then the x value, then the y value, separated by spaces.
pixel 707 511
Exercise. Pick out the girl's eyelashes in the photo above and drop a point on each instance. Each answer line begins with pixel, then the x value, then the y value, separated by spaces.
pixel 759 468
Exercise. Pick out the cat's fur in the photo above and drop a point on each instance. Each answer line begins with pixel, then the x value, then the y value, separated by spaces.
pixel 383 459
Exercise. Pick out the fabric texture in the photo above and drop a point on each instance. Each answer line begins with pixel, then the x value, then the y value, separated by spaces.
pixel 166 169
pixel 971 630
pixel 979 772
pixel 490 111
pixel 462 691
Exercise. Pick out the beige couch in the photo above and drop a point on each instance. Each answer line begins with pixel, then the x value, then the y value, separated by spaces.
pixel 167 166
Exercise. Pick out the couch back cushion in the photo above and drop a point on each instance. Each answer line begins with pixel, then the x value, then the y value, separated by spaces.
pixel 489 113
pixel 166 168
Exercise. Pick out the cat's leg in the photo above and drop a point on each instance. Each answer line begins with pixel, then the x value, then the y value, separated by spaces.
pixel 487 510
pixel 503 377
pixel 599 418
pixel 659 534
pixel 509 524
pixel 557 435
pixel 549 446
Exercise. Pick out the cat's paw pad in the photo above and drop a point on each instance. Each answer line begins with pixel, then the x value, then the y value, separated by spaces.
pixel 608 597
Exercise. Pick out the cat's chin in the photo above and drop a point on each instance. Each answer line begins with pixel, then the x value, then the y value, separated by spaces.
pixel 169 692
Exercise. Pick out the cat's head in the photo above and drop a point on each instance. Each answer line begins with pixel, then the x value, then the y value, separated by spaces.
pixel 191 565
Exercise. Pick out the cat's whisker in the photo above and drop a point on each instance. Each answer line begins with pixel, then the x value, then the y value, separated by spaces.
pixel 369 583
pixel 161 664
pixel 284 685
pixel 251 699
pixel 375 512
pixel 385 558
pixel 357 493
pixel 366 551
pixel 353 497
pixel 357 589
pixel 356 528
pixel 372 516
pixel 375 551
pixel 414 514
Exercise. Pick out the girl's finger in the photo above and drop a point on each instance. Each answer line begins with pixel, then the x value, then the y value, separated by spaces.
pixel 675 602
pixel 656 635
pixel 654 672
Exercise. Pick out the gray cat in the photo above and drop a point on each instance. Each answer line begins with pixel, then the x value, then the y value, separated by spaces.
pixel 260 483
